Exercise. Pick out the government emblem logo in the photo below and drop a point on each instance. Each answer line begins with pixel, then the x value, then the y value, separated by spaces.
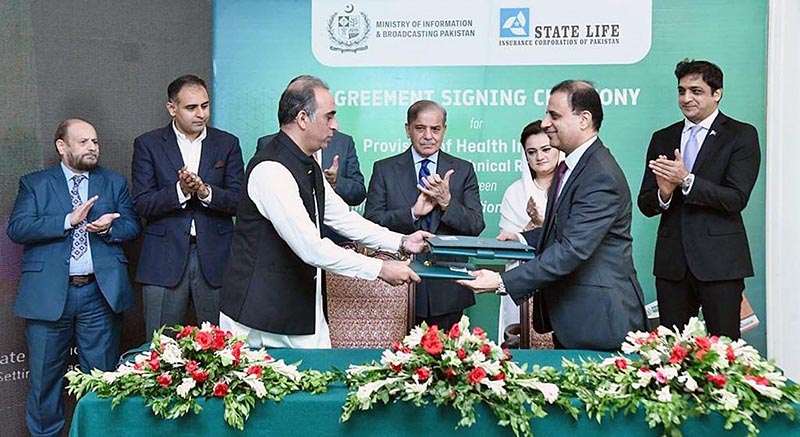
pixel 349 30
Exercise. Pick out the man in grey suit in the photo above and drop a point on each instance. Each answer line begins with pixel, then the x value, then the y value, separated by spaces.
pixel 426 188
pixel 590 296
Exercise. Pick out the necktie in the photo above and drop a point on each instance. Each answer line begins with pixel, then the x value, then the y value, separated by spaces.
pixel 562 170
pixel 423 173
pixel 691 149
pixel 79 238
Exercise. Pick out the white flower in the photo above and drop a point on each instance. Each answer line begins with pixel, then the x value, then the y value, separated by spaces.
pixel 254 383
pixel 611 390
pixel 394 358
pixel 688 382
pixel 253 356
pixel 450 358
pixel 366 390
pixel 172 354
pixel 497 387
pixel 110 377
pixel 287 370
pixel 653 357
pixel 491 367
pixel 357 370
pixel 416 389
pixel 226 356
pixel 414 337
pixel 668 373
pixel 645 376
pixel 186 385
pixel 550 391
pixel 476 358
pixel 728 400
pixel 206 327
pixel 663 331
pixel 514 369
pixel 765 390
pixel 664 395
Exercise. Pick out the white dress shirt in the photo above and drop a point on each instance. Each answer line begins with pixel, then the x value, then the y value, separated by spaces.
pixel 190 152
pixel 274 190
pixel 572 160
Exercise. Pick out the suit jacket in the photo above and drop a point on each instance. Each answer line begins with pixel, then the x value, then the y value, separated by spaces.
pixel 349 181
pixel 703 231
pixel 156 161
pixel 584 269
pixel 392 193
pixel 37 221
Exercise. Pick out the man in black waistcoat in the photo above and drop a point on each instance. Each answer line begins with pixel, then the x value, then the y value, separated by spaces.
pixel 274 286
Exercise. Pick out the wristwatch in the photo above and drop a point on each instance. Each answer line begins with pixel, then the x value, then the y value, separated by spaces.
pixel 501 289
pixel 687 181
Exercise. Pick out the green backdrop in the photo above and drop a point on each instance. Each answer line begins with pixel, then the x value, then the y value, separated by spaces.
pixel 258 46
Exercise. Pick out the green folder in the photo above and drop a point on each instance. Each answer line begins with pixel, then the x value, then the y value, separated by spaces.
pixel 442 270
pixel 479 247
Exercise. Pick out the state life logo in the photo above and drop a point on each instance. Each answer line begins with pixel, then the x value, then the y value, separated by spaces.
pixel 514 22
pixel 348 30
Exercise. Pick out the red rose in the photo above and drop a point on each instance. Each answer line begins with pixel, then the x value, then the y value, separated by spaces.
pixel 164 379
pixel 717 379
pixel 268 358
pixel 220 389
pixel 191 366
pixel 138 366
pixel 621 363
pixel 431 341
pixel 405 350
pixel 730 354
pixel 486 349
pixel 760 380
pixel 423 374
pixel 714 339
pixel 200 375
pixel 395 346
pixel 255 370
pixel 479 332
pixel 700 354
pixel 455 331
pixel 476 375
pixel 703 343
pixel 187 331
pixel 461 354
pixel 449 373
pixel 236 351
pixel 396 367
pixel 204 339
pixel 678 354
pixel 153 361
pixel 500 376
pixel 219 340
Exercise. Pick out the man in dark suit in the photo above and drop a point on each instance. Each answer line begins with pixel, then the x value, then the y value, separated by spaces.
pixel 425 188
pixel 584 273
pixel 186 182
pixel 78 212
pixel 341 169
pixel 700 173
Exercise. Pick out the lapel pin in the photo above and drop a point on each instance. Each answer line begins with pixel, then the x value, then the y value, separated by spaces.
pixel 713 132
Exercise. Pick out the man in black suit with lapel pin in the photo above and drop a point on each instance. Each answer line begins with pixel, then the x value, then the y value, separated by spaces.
pixel 699 176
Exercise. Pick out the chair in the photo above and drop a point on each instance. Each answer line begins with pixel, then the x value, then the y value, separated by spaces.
pixel 529 338
pixel 368 314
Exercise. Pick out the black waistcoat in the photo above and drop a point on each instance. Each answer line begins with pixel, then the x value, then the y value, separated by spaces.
pixel 266 285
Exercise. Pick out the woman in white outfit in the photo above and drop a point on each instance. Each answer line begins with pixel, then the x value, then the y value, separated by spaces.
pixel 524 202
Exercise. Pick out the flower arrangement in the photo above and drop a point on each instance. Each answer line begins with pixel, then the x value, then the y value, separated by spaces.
pixel 199 363
pixel 458 368
pixel 676 375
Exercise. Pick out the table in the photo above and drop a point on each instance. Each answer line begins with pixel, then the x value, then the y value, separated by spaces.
pixel 300 414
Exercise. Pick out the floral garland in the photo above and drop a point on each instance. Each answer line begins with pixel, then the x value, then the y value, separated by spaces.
pixel 677 375
pixel 199 363
pixel 459 369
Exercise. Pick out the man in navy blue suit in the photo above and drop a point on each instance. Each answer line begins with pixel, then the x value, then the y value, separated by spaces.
pixel 186 182
pixel 71 218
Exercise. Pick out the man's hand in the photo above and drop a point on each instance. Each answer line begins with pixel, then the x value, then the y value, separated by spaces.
pixel 507 236
pixel 423 206
pixel 672 171
pixel 485 280
pixel 438 188
pixel 102 224
pixel 397 272
pixel 79 214
pixel 415 243
pixel 332 172
pixel 185 179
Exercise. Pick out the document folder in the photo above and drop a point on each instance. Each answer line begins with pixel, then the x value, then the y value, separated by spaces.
pixel 478 247
pixel 442 270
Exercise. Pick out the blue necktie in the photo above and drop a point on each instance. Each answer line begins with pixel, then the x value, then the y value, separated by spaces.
pixel 79 237
pixel 423 173
pixel 691 149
